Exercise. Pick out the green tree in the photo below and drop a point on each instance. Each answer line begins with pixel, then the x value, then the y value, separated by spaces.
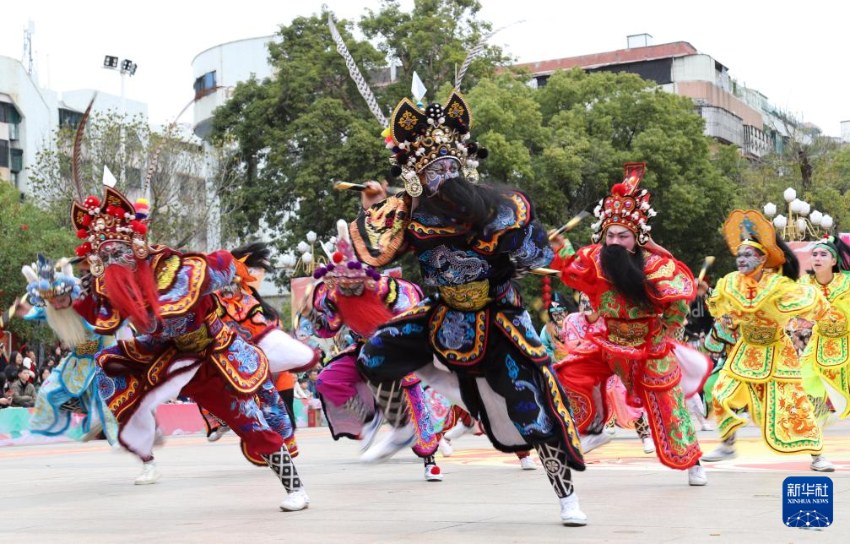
pixel 294 133
pixel 26 230
pixel 181 188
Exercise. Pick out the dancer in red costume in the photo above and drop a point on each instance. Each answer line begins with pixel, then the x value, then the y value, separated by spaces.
pixel 181 346
pixel 641 294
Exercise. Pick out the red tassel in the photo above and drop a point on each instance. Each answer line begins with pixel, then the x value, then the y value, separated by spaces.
pixel 82 234
pixel 87 219
pixel 618 189
pixel 83 250
pixel 139 227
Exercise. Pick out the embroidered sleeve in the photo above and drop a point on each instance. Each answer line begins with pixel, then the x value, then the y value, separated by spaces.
pixel 674 315
pixel 220 271
pixel 578 269
pixel 378 233
pixel 672 279
pixel 98 313
pixel 515 231
pixel 800 300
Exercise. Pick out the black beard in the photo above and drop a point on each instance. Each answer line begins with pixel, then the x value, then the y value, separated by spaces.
pixel 625 272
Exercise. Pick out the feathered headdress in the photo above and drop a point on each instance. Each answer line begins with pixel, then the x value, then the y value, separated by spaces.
pixel 626 206
pixel 114 219
pixel 48 280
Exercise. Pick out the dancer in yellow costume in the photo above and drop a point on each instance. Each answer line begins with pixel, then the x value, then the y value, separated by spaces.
pixel 762 374
pixel 826 361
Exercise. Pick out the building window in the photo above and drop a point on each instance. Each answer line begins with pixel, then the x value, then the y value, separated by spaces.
pixel 204 85
pixel 69 118
pixel 4 154
pixel 9 114
pixel 17 162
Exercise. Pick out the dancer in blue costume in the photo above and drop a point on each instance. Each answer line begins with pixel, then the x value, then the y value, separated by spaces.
pixel 75 385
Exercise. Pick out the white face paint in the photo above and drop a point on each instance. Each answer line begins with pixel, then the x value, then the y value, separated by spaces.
pixel 436 173
pixel 749 259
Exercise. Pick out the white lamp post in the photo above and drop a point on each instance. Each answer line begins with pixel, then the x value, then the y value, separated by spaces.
pixel 127 68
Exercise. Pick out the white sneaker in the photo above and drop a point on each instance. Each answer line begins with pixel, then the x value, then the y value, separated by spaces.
pixel 149 475
pixel 821 464
pixel 433 473
pixel 295 501
pixel 446 448
pixel 398 439
pixel 370 431
pixel 218 433
pixel 527 463
pixel 696 476
pixel 590 442
pixel 720 453
pixel 457 431
pixel 648 445
pixel 571 514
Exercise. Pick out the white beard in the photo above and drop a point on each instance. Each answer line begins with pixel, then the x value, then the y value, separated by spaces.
pixel 67 324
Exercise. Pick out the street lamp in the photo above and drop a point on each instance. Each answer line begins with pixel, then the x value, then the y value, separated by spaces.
pixel 308 260
pixel 801 222
pixel 127 68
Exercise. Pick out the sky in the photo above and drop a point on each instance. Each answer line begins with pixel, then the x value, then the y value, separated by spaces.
pixel 793 52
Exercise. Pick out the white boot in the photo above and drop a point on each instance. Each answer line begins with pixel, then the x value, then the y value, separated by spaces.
pixel 370 431
pixel 398 439
pixel 648 445
pixel 295 501
pixel 592 441
pixel 433 473
pixel 821 464
pixel 527 463
pixel 218 433
pixel 720 453
pixel 457 431
pixel 446 447
pixel 149 475
pixel 696 476
pixel 571 514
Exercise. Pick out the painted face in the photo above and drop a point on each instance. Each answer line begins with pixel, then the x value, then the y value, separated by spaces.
pixel 436 173
pixel 615 235
pixel 117 253
pixel 558 316
pixel 749 259
pixel 822 259
pixel 584 305
pixel 60 303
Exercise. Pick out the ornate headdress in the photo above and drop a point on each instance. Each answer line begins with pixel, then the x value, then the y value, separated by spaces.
pixel 345 269
pixel 751 228
pixel 626 206
pixel 48 280
pixel 113 220
pixel 419 138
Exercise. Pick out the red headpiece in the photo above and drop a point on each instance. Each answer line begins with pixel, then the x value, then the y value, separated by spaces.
pixel 113 220
pixel 626 206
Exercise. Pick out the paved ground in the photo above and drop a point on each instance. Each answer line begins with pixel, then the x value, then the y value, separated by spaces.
pixel 208 493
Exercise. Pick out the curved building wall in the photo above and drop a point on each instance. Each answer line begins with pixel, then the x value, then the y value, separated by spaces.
pixel 218 69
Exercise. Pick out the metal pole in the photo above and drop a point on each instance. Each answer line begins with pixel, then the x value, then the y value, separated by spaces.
pixel 123 135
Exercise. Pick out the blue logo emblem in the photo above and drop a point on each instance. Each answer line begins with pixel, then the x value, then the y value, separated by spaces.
pixel 807 502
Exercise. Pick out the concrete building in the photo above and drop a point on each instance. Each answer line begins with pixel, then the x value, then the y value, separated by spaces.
pixel 30 114
pixel 733 113
pixel 218 69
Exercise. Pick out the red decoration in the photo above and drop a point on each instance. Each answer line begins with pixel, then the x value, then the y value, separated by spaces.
pixel 87 219
pixel 337 257
pixel 139 227
pixel 115 211
pixel 618 189
pixel 547 291
pixel 82 234
pixel 83 250
pixel 91 202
